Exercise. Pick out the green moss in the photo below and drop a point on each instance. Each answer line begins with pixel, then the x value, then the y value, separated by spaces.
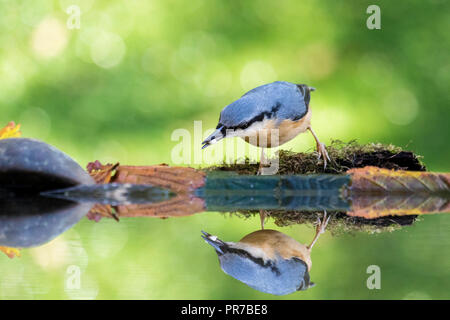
pixel 344 156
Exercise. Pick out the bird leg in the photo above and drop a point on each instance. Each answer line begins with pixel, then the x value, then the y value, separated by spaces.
pixel 262 161
pixel 321 226
pixel 320 149
pixel 262 213
pixel 262 217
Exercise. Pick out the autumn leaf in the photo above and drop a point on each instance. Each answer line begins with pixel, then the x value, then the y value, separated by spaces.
pixel 99 211
pixel 385 181
pixel 101 173
pixel 377 192
pixel 11 130
pixel 10 252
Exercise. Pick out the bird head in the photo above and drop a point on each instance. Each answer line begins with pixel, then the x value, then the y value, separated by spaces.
pixel 304 88
pixel 306 92
pixel 252 266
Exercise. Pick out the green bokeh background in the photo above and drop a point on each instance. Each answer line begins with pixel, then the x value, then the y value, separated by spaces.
pixel 117 88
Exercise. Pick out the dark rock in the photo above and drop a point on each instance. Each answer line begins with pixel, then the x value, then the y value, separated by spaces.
pixel 28 165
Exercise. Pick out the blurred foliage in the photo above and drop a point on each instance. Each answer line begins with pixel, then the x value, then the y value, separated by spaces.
pixel 115 89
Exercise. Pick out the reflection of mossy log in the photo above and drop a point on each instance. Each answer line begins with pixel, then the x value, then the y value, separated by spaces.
pixel 288 197
pixel 227 192
pixel 344 156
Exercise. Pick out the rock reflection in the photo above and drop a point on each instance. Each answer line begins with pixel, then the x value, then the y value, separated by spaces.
pixel 29 221
pixel 268 260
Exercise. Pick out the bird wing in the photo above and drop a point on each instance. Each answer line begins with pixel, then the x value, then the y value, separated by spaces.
pixel 280 278
pixel 278 100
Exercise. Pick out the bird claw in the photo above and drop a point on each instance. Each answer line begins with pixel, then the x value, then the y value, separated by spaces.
pixel 322 223
pixel 260 171
pixel 262 217
pixel 322 153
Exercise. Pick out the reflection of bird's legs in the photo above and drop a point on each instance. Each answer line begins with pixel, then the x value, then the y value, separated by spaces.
pixel 262 213
pixel 262 217
pixel 320 149
pixel 261 162
pixel 320 228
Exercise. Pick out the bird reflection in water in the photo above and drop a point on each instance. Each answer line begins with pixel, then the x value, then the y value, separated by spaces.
pixel 268 260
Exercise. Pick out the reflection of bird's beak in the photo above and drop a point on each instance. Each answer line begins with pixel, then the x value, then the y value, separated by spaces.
pixel 312 89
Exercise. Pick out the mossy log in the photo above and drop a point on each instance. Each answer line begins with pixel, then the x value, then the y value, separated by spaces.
pixel 345 156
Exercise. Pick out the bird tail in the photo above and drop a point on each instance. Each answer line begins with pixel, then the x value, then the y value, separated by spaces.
pixel 213 137
pixel 215 242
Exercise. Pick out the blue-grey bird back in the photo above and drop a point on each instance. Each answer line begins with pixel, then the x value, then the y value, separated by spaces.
pixel 283 277
pixel 279 100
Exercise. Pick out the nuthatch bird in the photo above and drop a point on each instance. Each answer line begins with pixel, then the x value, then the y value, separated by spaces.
pixel 268 260
pixel 280 108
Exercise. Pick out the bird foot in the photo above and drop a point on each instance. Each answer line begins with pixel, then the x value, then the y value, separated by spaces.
pixel 262 217
pixel 320 228
pixel 322 224
pixel 322 151
pixel 260 169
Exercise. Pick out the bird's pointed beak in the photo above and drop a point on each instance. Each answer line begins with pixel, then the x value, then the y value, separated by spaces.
pixel 213 241
pixel 312 89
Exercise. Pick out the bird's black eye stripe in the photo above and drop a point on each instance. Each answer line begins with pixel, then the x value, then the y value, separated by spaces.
pixel 307 98
pixel 305 93
pixel 305 284
pixel 259 261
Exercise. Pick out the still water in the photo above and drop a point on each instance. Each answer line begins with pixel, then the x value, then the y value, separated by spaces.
pixel 146 257
pixel 287 237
